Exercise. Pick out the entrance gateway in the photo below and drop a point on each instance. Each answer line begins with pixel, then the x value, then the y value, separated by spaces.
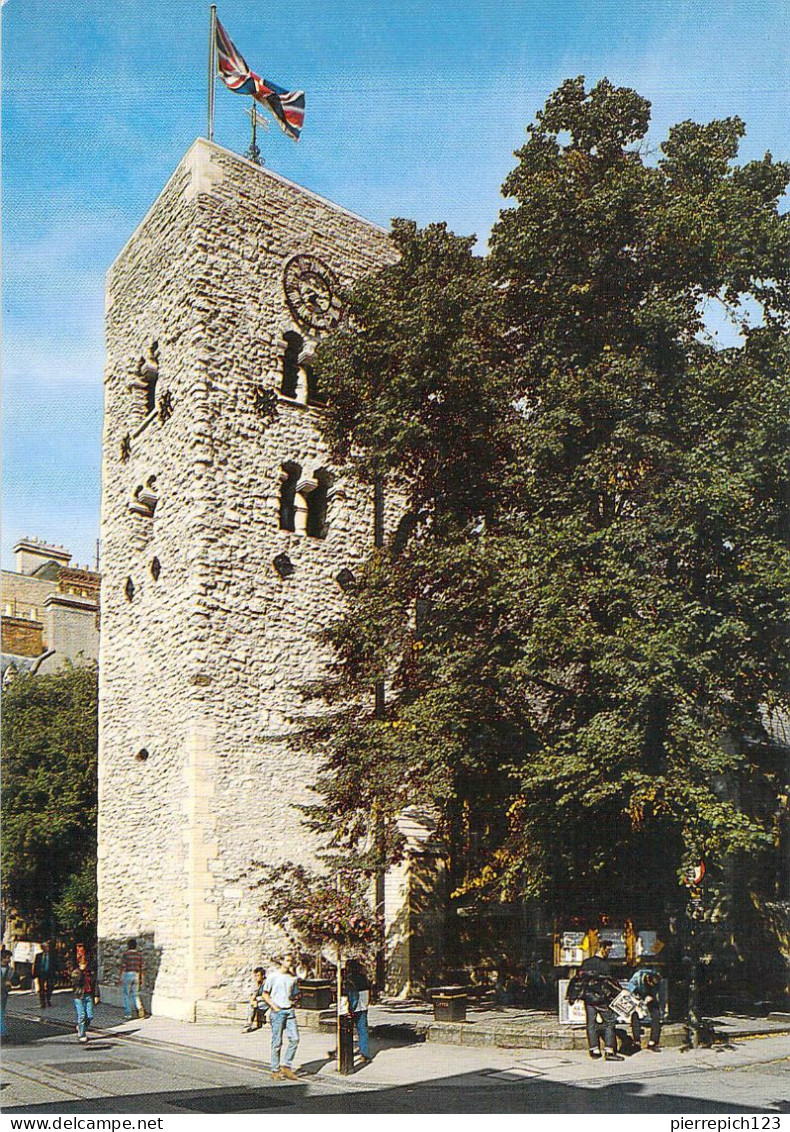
pixel 228 538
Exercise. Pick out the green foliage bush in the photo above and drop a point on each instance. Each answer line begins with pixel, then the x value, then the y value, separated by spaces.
pixel 49 799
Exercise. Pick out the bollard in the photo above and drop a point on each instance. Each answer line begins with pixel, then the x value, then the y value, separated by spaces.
pixel 345 1037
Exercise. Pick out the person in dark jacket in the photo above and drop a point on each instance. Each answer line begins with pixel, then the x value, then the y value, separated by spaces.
pixel 356 991
pixel 44 972
pixel 596 987
pixel 84 990
pixel 6 978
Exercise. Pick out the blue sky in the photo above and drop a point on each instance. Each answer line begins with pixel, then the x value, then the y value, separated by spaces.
pixel 414 109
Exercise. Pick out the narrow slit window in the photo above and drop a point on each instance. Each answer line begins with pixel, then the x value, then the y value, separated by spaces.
pixel 149 376
pixel 293 348
pixel 315 394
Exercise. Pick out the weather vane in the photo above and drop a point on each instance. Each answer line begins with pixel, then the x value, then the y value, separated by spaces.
pixel 256 119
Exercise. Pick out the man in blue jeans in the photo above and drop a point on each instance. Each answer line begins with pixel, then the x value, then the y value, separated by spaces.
pixel 280 992
pixel 356 991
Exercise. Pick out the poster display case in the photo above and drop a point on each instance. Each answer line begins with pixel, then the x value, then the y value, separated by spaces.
pixel 575 941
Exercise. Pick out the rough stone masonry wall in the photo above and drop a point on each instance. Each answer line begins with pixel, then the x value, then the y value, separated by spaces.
pixel 262 644
pixel 203 668
pixel 150 695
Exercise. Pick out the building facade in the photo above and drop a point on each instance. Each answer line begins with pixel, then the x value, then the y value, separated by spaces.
pixel 228 543
pixel 50 610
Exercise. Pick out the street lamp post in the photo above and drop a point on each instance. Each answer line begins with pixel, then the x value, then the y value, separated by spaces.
pixel 695 913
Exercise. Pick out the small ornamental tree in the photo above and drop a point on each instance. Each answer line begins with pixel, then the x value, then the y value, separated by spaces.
pixel 319 912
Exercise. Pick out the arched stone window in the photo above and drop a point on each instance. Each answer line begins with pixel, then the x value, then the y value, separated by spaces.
pixel 143 388
pixel 289 479
pixel 145 498
pixel 304 500
pixel 148 372
pixel 293 348
pixel 316 526
pixel 314 393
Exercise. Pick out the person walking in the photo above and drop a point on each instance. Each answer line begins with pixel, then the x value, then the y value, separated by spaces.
pixel 595 986
pixel 132 973
pixel 258 1008
pixel 645 984
pixel 356 989
pixel 44 973
pixel 6 975
pixel 84 990
pixel 280 992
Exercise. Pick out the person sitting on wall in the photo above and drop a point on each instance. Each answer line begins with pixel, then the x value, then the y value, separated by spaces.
pixel 596 987
pixel 258 1006
pixel 644 984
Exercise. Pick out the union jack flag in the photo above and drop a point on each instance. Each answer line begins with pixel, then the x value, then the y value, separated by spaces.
pixel 287 106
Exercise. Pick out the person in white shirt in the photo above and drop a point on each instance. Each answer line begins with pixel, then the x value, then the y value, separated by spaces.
pixel 355 1002
pixel 280 993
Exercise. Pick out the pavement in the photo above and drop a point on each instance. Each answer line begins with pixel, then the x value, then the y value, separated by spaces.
pixel 512 1027
pixel 736 1074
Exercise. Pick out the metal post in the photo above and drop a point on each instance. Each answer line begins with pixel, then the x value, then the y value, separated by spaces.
pixel 693 1020
pixel 345 1030
pixel 212 51
pixel 254 153
pixel 338 991
pixel 380 709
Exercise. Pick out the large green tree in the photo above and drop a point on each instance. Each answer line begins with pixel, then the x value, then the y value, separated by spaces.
pixel 581 621
pixel 49 799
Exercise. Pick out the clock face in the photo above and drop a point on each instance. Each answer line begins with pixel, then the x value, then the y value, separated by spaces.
pixel 311 291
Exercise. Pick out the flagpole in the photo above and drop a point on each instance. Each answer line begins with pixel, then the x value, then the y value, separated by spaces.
pixel 212 49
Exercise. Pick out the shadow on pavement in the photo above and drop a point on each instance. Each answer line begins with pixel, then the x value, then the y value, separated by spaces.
pixel 460 1094
pixel 31 1031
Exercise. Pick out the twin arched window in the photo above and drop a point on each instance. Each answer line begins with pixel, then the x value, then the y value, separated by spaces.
pixel 303 501
pixel 298 377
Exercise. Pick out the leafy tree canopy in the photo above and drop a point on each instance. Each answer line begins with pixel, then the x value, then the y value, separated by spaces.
pixel 581 618
pixel 49 797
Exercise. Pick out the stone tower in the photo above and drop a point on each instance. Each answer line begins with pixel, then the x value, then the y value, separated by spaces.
pixel 227 539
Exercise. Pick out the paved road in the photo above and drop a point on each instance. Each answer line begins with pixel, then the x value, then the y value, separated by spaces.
pixel 46 1071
